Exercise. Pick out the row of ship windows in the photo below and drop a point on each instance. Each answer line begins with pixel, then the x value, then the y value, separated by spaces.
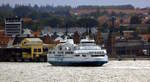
pixel 85 55
pixel 96 53
pixel 61 52
pixel 79 53
pixel 91 55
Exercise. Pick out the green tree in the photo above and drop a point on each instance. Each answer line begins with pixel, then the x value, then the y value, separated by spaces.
pixel 135 19
pixel 22 11
pixel 53 22
pixel 87 22
pixel 70 22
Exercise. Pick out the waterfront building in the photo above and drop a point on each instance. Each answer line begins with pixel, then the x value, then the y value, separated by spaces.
pixel 36 46
pixel 129 48
pixel 13 26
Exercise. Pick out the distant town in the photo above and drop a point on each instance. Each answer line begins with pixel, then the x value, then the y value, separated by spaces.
pixel 32 30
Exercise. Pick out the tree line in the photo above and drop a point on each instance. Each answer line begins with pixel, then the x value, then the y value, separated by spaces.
pixel 60 16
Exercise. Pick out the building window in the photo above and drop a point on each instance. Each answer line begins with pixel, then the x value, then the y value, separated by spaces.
pixel 35 50
pixel 25 42
pixel 39 50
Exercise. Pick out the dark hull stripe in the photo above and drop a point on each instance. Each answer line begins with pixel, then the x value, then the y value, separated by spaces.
pixel 72 63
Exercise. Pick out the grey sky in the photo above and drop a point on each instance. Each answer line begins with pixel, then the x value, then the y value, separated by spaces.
pixel 136 3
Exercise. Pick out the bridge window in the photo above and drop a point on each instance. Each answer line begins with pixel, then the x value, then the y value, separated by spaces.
pixel 49 52
pixel 77 55
pixel 53 52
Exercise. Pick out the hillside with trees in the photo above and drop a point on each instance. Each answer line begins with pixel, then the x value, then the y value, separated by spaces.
pixel 81 16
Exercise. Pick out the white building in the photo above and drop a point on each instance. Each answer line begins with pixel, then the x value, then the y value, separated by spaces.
pixel 13 26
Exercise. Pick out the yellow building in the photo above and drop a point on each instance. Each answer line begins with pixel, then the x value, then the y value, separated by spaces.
pixel 35 46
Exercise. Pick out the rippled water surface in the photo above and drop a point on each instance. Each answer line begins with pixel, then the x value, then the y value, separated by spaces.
pixel 114 71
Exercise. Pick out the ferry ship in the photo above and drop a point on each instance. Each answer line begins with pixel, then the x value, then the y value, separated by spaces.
pixel 86 53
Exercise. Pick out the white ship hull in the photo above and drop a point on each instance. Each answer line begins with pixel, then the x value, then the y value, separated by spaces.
pixel 77 60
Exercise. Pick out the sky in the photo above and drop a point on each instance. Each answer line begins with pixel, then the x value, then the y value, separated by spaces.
pixel 74 3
